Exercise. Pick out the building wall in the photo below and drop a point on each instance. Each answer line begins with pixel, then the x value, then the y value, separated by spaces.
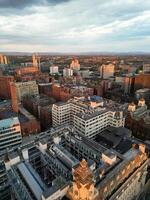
pixel 95 125
pixel 128 182
pixel 107 70
pixel 56 91
pixel 30 127
pixel 46 117
pixel 5 191
pixel 21 89
pixel 5 86
pixel 66 114
pixel 27 70
pixel 142 81
pixel 10 133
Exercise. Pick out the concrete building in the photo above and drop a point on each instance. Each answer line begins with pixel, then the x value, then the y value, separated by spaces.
pixel 128 85
pixel 28 123
pixel 146 68
pixel 87 116
pixel 126 82
pixel 85 73
pixel 21 89
pixel 10 132
pixel 67 72
pixel 54 70
pixel 107 70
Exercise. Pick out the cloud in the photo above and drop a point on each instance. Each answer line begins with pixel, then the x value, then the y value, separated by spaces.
pixel 26 3
pixel 75 25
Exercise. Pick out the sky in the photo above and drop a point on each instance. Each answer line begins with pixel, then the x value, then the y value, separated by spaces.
pixel 75 25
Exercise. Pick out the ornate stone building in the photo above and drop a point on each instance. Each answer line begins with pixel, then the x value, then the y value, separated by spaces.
pixel 83 185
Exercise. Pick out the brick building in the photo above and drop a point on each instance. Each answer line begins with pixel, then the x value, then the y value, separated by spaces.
pixel 5 86
pixel 142 81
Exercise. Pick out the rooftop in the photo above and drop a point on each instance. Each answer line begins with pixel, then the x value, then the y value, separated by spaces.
pixel 6 123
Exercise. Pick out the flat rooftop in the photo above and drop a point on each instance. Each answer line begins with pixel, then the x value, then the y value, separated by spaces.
pixel 6 123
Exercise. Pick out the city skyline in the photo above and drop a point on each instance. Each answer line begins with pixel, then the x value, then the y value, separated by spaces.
pixel 75 26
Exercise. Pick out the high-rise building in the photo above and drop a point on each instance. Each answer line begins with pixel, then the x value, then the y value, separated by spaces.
pixel 10 133
pixel 54 70
pixel 107 70
pixel 67 72
pixel 21 89
pixel 128 84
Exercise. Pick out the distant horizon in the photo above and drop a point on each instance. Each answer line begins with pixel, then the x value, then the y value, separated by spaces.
pixel 97 53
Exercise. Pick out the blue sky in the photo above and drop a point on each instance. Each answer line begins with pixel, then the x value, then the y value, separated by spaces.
pixel 75 25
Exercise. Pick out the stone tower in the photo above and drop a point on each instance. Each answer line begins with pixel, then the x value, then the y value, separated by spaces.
pixel 3 59
pixel 34 60
pixel 83 185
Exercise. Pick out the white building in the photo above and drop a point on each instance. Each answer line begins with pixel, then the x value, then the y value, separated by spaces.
pixel 146 68
pixel 10 133
pixel 67 72
pixel 53 69
pixel 93 122
pixel 87 117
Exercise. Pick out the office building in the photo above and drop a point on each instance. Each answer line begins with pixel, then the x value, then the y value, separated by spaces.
pixel 88 116
pixel 21 89
pixel 146 68
pixel 10 133
pixel 107 70
pixel 54 70
pixel 67 72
